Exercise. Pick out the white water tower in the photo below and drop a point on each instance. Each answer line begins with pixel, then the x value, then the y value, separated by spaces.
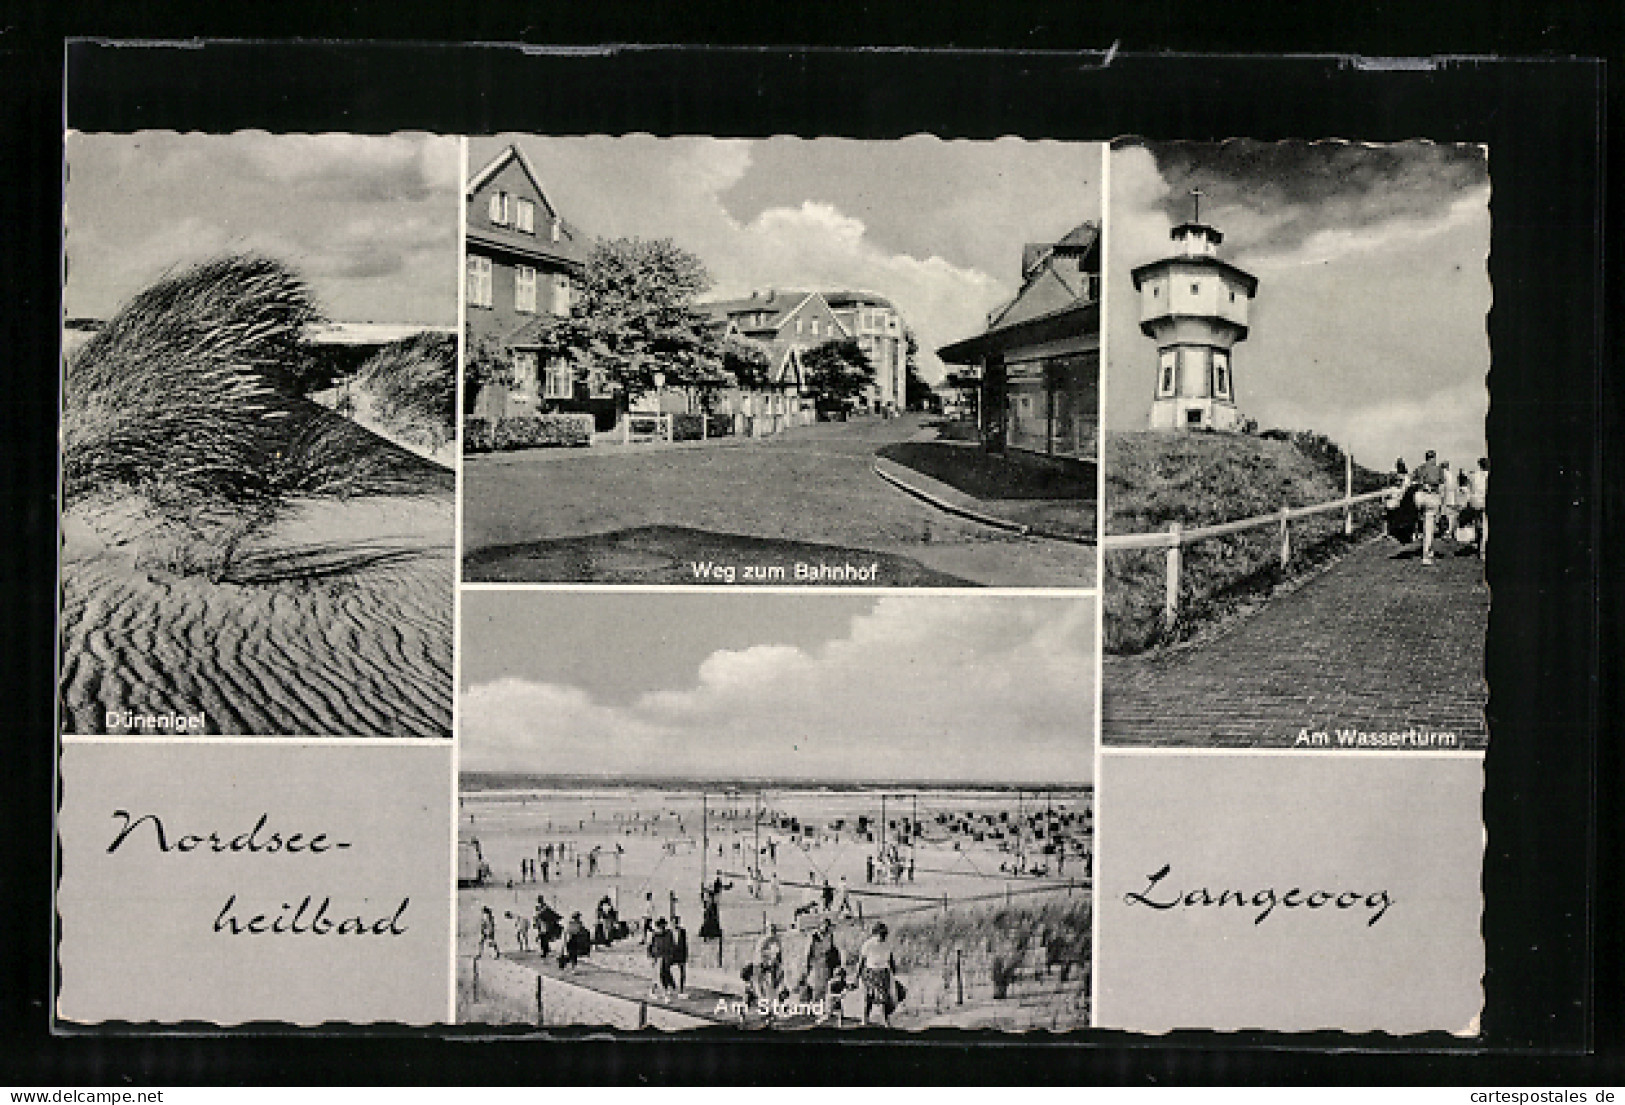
pixel 1194 306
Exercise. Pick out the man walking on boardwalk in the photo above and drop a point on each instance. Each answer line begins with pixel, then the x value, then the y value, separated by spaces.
pixel 1429 479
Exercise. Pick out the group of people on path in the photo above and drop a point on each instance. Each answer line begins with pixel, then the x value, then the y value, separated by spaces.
pixel 1423 501
pixel 825 977
pixel 667 948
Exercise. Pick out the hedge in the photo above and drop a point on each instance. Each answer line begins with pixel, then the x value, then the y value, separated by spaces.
pixel 527 431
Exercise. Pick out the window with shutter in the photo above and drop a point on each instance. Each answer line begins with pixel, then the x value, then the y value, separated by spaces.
pixel 479 282
pixel 524 289
pixel 524 372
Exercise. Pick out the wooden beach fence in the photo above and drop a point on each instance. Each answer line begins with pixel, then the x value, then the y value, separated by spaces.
pixel 1177 537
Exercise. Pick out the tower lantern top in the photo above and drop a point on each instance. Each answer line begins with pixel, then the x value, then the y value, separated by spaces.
pixel 1196 238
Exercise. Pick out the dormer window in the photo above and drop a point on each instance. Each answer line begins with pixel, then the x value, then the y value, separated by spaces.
pixel 553 230
pixel 525 215
pixel 501 208
pixel 815 327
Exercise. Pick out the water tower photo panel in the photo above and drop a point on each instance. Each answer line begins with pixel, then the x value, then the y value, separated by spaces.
pixel 1296 471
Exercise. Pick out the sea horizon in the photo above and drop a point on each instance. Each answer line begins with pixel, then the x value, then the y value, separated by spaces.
pixel 497 782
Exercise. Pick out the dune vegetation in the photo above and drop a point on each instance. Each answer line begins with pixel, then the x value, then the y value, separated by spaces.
pixel 413 385
pixel 187 400
pixel 1154 479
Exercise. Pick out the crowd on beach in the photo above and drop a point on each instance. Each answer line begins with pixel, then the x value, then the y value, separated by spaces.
pixel 748 852
pixel 1431 501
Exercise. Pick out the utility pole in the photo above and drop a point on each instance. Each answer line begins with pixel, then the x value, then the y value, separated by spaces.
pixel 756 856
pixel 1021 821
pixel 705 840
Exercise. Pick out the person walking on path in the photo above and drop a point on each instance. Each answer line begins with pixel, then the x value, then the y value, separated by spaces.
pixel 648 916
pixel 877 968
pixel 1429 479
pixel 521 930
pixel 660 957
pixel 843 899
pixel 822 959
pixel 1451 508
pixel 1479 499
pixel 577 942
pixel 679 954
pixel 488 934
pixel 769 965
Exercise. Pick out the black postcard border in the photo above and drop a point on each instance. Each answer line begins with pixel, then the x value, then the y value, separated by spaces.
pixel 1541 119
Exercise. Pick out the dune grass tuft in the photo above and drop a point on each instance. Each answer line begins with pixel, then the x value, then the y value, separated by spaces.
pixel 187 398
pixel 414 386
pixel 180 395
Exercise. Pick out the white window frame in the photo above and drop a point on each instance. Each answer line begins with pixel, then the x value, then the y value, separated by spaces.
pixel 501 212
pixel 559 380
pixel 561 294
pixel 479 281
pixel 525 368
pixel 524 289
pixel 524 215
pixel 1221 374
pixel 1167 373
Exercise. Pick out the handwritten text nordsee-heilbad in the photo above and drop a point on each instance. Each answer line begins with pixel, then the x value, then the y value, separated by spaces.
pixel 306 918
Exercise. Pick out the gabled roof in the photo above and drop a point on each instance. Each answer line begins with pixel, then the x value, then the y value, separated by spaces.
pixel 498 163
pixel 783 306
pixel 1054 302
pixel 1083 236
pixel 852 298
pixel 781 303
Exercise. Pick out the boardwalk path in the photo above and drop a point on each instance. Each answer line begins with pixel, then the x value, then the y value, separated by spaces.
pixel 1378 643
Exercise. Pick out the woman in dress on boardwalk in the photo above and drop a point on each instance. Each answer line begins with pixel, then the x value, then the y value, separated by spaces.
pixel 877 968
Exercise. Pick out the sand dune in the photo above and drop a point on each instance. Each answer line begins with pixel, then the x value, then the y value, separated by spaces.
pixel 336 622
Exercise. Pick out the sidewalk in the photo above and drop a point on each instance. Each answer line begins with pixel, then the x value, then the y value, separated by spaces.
pixel 951 500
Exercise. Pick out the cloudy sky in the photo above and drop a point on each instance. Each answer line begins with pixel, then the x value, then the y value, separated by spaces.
pixel 831 687
pixel 937 227
pixel 369 222
pixel 1371 315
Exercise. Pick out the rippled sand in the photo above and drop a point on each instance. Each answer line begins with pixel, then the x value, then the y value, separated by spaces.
pixel 337 622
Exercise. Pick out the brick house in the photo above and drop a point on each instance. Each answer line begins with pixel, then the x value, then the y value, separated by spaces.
pixel 524 265
pixel 785 324
pixel 1039 358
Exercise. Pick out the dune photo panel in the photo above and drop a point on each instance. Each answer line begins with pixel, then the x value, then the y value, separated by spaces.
pixel 258 434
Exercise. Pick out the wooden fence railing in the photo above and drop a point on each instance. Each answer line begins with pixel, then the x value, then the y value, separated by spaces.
pixel 1177 537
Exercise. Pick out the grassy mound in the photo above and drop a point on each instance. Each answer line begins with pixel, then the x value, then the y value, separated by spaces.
pixel 186 398
pixel 1154 479
pixel 413 383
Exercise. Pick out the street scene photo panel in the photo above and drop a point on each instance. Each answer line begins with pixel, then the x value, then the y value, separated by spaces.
pixel 732 362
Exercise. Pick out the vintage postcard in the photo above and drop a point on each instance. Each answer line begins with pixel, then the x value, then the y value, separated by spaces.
pixel 726 362
pixel 258 434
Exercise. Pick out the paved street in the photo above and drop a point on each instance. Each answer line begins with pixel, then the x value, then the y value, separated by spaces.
pixel 808 496
pixel 1378 643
